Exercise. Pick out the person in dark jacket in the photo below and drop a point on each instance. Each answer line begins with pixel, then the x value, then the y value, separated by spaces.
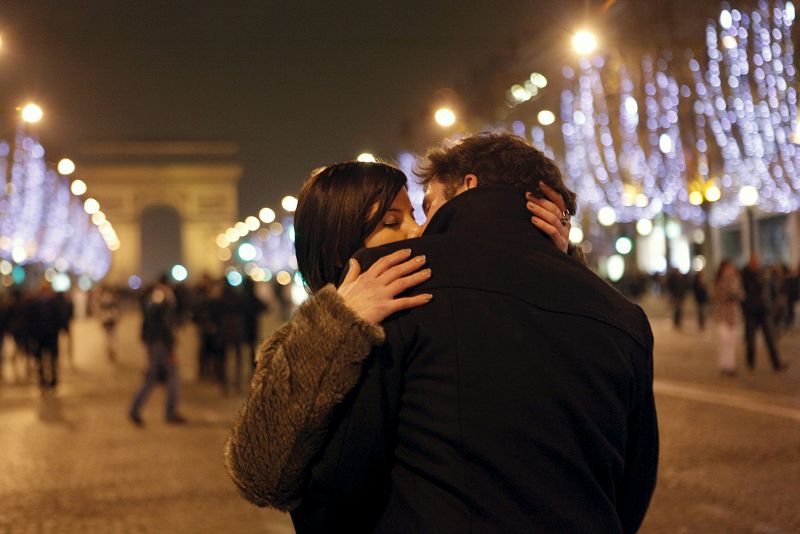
pixel 158 334
pixel 700 290
pixel 20 324
pixel 229 312
pixel 518 400
pixel 676 289
pixel 757 314
pixel 46 322
pixel 252 307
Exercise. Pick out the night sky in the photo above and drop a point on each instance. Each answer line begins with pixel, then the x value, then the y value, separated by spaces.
pixel 297 84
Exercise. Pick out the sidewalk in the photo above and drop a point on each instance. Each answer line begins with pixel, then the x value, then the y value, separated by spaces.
pixel 74 463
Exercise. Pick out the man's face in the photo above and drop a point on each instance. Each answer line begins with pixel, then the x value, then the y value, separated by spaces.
pixel 436 196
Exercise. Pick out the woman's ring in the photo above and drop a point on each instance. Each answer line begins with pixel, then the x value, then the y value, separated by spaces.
pixel 564 218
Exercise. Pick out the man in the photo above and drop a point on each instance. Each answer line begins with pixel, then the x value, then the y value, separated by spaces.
pixel 518 400
pixel 158 334
pixel 46 322
pixel 757 314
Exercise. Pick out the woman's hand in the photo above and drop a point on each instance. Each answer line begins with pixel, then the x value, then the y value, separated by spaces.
pixel 372 294
pixel 549 215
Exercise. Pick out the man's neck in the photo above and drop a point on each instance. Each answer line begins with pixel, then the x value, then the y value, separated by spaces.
pixel 488 209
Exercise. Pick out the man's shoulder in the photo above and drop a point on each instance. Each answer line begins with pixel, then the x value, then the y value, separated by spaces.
pixel 544 278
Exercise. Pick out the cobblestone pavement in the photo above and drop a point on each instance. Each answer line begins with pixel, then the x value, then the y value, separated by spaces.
pixel 71 462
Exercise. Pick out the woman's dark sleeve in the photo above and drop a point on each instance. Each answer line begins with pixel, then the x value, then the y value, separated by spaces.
pixel 303 372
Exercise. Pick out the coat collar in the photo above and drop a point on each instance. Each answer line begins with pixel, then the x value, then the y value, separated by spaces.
pixel 488 209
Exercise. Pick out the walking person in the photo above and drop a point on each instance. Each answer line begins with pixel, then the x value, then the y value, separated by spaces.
pixel 676 289
pixel 20 325
pixel 159 337
pixel 46 322
pixel 728 295
pixel 232 335
pixel 66 311
pixel 253 307
pixel 108 312
pixel 792 295
pixel 700 291
pixel 4 313
pixel 757 314
pixel 207 329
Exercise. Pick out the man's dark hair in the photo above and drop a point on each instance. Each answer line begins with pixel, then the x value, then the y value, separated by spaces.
pixel 496 159
pixel 337 209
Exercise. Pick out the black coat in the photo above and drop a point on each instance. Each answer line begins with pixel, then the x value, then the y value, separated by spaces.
pixel 518 400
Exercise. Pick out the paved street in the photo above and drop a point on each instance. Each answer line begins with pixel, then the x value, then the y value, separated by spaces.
pixel 73 463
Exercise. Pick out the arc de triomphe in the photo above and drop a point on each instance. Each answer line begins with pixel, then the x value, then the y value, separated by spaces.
pixel 197 179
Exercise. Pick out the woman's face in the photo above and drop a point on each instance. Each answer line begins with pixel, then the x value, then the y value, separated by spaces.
pixel 396 224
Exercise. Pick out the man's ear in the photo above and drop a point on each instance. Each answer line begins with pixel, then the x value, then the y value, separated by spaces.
pixel 470 182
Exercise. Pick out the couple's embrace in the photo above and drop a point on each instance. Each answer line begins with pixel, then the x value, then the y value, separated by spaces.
pixel 472 377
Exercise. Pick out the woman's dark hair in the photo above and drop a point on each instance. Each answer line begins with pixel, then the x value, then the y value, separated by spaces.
pixel 336 212
pixel 721 269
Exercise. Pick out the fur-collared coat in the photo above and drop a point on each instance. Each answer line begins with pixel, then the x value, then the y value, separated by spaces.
pixel 304 370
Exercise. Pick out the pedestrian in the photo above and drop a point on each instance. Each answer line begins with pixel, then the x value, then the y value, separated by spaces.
pixel 757 313
pixel 108 312
pixel 159 337
pixel 46 321
pixel 779 298
pixel 207 329
pixel 230 317
pixel 700 291
pixel 728 295
pixel 253 308
pixel 676 290
pixel 66 311
pixel 20 324
pixel 792 295
pixel 4 313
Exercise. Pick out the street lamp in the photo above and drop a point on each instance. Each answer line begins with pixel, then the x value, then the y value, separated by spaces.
pixel 584 42
pixel 445 117
pixel 32 113
pixel 78 187
pixel 66 167
pixel 546 117
pixel 289 203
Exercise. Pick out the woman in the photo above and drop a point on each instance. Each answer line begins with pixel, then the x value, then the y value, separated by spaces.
pixel 728 295
pixel 311 363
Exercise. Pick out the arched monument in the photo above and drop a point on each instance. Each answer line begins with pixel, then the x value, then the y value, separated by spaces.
pixel 197 179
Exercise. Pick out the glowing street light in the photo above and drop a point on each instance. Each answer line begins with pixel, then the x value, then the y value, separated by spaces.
pixel 66 167
pixel 247 252
pixel 748 196
pixel 607 216
pixel 575 235
pixel 78 187
pixel 584 42
pixel 289 203
pixel 445 117
pixel 91 206
pixel 179 273
pixel 266 215
pixel 546 117
pixel 32 113
pixel 252 223
pixel 644 226
pixel 364 157
pixel 713 193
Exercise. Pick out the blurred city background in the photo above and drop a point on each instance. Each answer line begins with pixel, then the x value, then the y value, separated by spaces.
pixel 152 152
